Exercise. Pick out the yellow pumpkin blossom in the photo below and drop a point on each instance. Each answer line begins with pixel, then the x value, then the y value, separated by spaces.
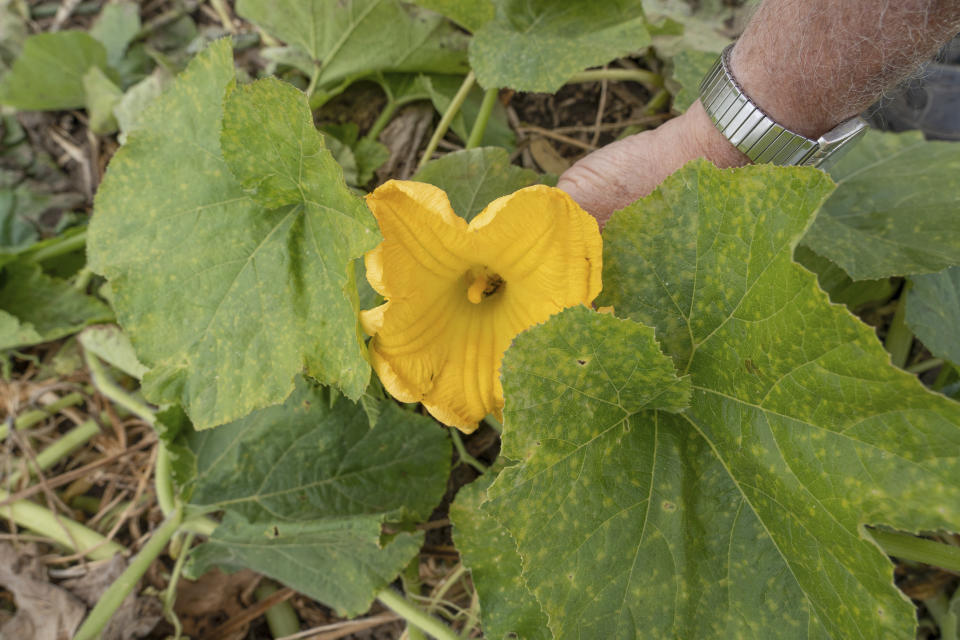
pixel 457 294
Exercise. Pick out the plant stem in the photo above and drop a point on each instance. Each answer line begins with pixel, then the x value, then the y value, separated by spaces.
pixel 447 118
pixel 657 102
pixel 60 449
pixel 910 547
pixel 462 452
pixel 415 615
pixel 115 392
pixel 163 480
pixel 281 617
pixel 382 120
pixel 899 337
pixel 480 126
pixel 67 244
pixel 60 529
pixel 127 582
pixel 631 75
pixel 30 418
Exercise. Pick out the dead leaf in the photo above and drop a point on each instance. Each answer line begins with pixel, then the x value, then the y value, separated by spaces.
pixel 44 610
pixel 136 616
pixel 547 157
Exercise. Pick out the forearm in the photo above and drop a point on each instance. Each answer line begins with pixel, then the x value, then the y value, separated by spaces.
pixel 811 64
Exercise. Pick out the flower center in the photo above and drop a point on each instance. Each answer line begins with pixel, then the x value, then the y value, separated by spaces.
pixel 483 283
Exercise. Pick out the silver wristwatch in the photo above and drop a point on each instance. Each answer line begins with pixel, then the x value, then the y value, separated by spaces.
pixel 757 135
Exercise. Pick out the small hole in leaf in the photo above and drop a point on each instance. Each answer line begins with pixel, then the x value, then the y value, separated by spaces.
pixel 581 362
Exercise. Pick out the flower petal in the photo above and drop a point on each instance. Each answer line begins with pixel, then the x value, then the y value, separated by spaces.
pixel 423 240
pixel 543 245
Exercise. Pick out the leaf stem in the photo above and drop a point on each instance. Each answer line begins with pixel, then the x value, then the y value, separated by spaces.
pixel 447 118
pixel 224 14
pixel 60 449
pixel 480 126
pixel 127 582
pixel 462 452
pixel 163 480
pixel 67 532
pixel 899 337
pixel 910 547
pixel 314 78
pixel 630 75
pixel 64 245
pixel 926 365
pixel 415 615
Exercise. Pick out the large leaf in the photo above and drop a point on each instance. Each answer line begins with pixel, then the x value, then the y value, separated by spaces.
pixel 895 209
pixel 742 516
pixel 35 307
pixel 353 38
pixel 229 286
pixel 536 45
pixel 933 312
pixel 306 486
pixel 49 72
pixel 490 552
pixel 476 177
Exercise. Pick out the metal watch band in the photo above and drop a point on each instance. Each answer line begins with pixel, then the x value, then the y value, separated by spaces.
pixel 757 135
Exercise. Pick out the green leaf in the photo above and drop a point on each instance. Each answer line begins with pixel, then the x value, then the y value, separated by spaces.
pixel 841 288
pixel 705 25
pixel 578 411
pixel 469 14
pixel 689 68
pixel 101 97
pixel 112 345
pixel 933 312
pixel 35 307
pixel 49 72
pixel 895 209
pixel 490 552
pixel 230 286
pixel 306 486
pixel 498 133
pixel 476 177
pixel 743 515
pixel 536 45
pixel 339 562
pixel 365 155
pixel 354 38
pixel 115 28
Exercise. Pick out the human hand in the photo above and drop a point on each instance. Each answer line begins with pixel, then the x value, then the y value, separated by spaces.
pixel 614 176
